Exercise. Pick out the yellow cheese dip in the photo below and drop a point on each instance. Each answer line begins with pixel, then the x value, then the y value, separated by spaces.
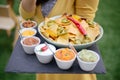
pixel 28 33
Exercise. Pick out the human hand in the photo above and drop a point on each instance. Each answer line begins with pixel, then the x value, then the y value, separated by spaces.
pixel 29 5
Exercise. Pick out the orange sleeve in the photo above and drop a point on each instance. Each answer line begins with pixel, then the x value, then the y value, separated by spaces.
pixel 86 8
pixel 24 14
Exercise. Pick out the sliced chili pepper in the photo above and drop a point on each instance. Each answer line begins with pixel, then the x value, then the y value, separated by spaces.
pixel 78 25
pixel 44 48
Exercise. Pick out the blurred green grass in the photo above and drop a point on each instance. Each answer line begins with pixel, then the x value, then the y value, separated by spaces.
pixel 108 16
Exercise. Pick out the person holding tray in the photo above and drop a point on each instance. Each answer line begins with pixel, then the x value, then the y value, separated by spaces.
pixel 38 9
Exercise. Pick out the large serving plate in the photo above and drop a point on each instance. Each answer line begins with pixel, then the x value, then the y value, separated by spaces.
pixel 77 46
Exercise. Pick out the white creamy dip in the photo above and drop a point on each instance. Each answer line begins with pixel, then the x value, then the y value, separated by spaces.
pixel 46 52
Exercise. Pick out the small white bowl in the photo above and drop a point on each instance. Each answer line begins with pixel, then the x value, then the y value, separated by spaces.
pixel 64 64
pixel 29 49
pixel 87 65
pixel 22 26
pixel 44 56
pixel 28 34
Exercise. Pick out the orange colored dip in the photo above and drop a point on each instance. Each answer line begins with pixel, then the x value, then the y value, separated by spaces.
pixel 65 54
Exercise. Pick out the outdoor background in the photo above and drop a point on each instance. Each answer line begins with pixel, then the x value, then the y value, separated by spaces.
pixel 108 16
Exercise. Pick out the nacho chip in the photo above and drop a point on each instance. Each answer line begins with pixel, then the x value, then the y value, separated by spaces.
pixel 93 32
pixel 63 39
pixel 51 33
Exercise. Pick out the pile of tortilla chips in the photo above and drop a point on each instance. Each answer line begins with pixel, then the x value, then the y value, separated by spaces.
pixel 64 31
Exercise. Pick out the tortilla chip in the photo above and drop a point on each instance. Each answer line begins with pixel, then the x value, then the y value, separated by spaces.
pixel 93 32
pixel 84 24
pixel 63 39
pixel 45 22
pixel 51 33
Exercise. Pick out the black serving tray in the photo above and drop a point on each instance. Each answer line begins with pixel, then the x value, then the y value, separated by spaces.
pixel 21 62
